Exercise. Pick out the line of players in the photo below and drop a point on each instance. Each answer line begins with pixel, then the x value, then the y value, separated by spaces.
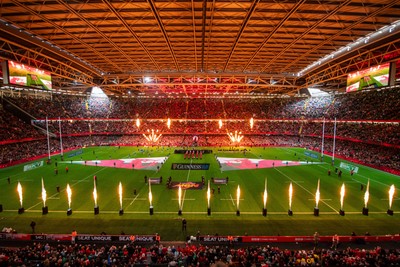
pixel 193 154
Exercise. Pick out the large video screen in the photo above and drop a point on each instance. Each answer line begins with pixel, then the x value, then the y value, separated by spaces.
pixel 29 76
pixel 374 77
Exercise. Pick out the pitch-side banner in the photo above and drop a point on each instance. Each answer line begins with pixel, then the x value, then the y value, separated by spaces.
pixel 348 167
pixel 32 166
pixel 190 166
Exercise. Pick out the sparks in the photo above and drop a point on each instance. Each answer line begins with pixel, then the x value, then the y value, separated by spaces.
pixel 366 195
pixel 69 195
pixel 290 195
pixel 317 196
pixel 236 137
pixel 169 123
pixel 391 194
pixel 120 194
pixel 208 194
pixel 19 190
pixel 342 192
pixel 152 136
pixel 237 197
pixel 44 195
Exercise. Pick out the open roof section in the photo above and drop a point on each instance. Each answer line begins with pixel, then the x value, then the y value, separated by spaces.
pixel 205 45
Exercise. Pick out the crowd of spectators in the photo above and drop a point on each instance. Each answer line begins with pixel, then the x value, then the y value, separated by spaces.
pixel 278 121
pixel 13 128
pixel 378 132
pixel 41 254
pixel 363 105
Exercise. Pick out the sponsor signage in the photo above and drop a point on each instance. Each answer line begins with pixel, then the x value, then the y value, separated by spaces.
pixel 38 237
pixel 349 167
pixel 221 239
pixel 75 153
pixel 114 238
pixel 32 166
pixel 186 185
pixel 311 155
pixel 190 166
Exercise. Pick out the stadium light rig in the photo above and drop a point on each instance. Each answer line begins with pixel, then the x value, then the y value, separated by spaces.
pixel 152 136
pixel 236 137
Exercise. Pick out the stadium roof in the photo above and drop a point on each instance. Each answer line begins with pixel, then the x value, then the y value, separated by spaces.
pixel 211 46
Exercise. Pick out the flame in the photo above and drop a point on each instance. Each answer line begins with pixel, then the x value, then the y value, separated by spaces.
pixel 152 137
pixel 95 194
pixel 251 123
pixel 366 195
pixel 169 123
pixel 150 195
pixel 391 194
pixel 317 196
pixel 180 197
pixel 137 122
pixel 120 194
pixel 237 197
pixel 69 195
pixel 265 194
pixel 290 195
pixel 220 123
pixel 44 195
pixel 342 192
pixel 235 138
pixel 19 190
pixel 208 194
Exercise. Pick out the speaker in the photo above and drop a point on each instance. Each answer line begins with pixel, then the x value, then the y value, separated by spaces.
pixel 45 210
pixel 316 212
pixel 365 211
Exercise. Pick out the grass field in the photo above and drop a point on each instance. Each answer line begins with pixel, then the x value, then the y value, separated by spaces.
pixel 223 220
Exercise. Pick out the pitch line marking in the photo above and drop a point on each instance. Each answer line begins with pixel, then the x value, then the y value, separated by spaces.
pixel 184 193
pixel 133 200
pixel 356 173
pixel 233 202
pixel 305 189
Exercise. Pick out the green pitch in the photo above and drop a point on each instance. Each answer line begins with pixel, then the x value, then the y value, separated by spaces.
pixel 223 219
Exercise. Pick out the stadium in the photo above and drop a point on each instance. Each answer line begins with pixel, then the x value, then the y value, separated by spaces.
pixel 204 133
